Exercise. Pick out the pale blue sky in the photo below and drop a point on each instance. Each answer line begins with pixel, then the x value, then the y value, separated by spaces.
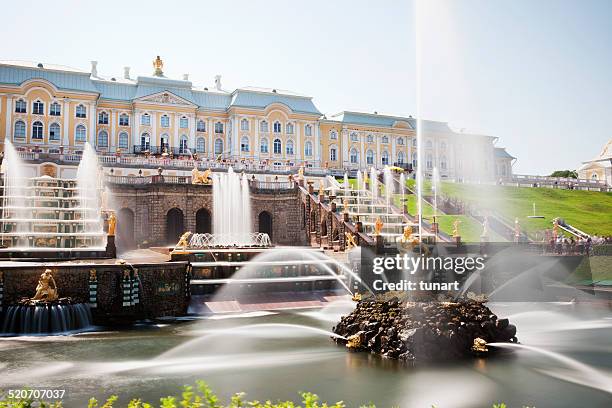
pixel 536 73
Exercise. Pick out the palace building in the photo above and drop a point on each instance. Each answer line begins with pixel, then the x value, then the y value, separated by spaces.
pixel 54 110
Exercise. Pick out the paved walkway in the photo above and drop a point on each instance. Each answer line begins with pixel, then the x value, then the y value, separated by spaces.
pixel 267 301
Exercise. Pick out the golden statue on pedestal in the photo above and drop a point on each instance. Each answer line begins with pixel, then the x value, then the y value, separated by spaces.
pixel 201 177
pixel 350 240
pixel 456 228
pixel 378 226
pixel 183 243
pixel 46 290
pixel 158 64
pixel 112 224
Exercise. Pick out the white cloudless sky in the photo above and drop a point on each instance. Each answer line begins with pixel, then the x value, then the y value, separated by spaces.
pixel 537 74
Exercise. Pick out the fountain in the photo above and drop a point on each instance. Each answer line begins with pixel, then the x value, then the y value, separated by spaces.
pixel 374 182
pixel 47 217
pixel 389 185
pixel 232 209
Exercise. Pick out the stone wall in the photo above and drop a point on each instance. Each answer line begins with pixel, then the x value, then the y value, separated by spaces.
pixel 162 290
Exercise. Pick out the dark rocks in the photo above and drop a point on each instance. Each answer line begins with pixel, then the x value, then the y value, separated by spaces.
pixel 423 330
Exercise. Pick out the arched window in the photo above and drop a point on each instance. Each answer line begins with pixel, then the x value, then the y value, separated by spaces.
pixel 184 122
pixel 289 147
pixel 218 127
pixel 103 118
pixel 124 120
pixel 354 136
pixel 308 130
pixel 443 146
pixel 333 135
pixel 183 149
pixel 385 157
pixel 81 112
pixel 55 109
pixel 145 119
pixel 123 140
pixel 400 158
pixel 414 159
pixel 333 153
pixel 244 144
pixel 277 127
pixel 428 144
pixel 370 157
pixel 400 141
pixel 429 161
pixel 289 128
pixel 80 134
pixel 219 146
pixel 165 121
pixel 54 132
pixel 263 126
pixel 385 139
pixel 21 106
pixel 145 142
pixel 37 130
pixel 200 145
pixel 277 146
pixel 20 130
pixel 38 108
pixel 263 146
pixel 354 156
pixel 370 139
pixel 443 162
pixel 308 149
pixel 103 139
pixel 163 142
pixel 244 124
pixel 201 126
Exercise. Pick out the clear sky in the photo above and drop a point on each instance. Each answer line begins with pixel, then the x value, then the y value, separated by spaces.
pixel 536 73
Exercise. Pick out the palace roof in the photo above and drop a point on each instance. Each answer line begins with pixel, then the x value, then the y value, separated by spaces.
pixel 502 153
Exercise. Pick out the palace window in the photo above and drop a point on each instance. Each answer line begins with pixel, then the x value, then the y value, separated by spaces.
pixel 308 149
pixel 370 157
pixel 277 127
pixel 38 108
pixel 370 139
pixel 385 158
pixel 443 146
pixel 244 144
pixel 20 130
pixel 333 154
pixel 414 160
pixel 263 126
pixel 400 141
pixel 200 145
pixel 124 120
pixel 308 130
pixel 354 156
pixel 123 140
pixel 145 142
pixel 145 119
pixel 165 121
pixel 163 142
pixel 289 147
pixel 354 137
pixel 184 122
pixel 37 130
pixel 219 146
pixel 103 118
pixel 81 112
pixel 443 162
pixel 218 127
pixel 20 106
pixel 263 147
pixel 429 161
pixel 55 109
pixel 385 139
pixel 289 128
pixel 400 158
pixel 277 146
pixel 183 149
pixel 244 124
pixel 54 132
pixel 80 134
pixel 333 135
pixel 103 139
pixel 201 126
pixel 428 144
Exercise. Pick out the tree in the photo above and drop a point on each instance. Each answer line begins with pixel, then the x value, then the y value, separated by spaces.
pixel 565 173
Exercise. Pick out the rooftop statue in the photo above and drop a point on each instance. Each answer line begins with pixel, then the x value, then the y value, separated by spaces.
pixel 158 64
pixel 46 290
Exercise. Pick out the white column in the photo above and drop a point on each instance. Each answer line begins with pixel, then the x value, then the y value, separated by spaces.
pixel 66 118
pixel 9 123
pixel 345 144
pixel 298 138
pixel 92 123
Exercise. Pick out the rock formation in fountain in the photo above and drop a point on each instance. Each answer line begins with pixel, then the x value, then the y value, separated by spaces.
pixel 409 331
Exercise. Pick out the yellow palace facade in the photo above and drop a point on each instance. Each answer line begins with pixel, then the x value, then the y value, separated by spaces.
pixel 56 110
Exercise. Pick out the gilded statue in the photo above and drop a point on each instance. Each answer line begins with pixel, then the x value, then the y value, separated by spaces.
pixel 183 242
pixel 46 290
pixel 112 224
pixel 93 275
pixel 378 226
pixel 201 177
pixel 350 240
pixel 456 227
pixel 158 64
pixel 321 189
pixel 300 175
pixel 407 236
pixel 555 228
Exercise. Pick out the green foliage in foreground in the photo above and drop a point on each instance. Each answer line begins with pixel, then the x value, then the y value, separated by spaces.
pixel 200 396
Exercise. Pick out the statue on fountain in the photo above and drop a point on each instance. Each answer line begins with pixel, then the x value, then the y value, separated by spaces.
pixel 112 224
pixel 378 226
pixel 46 290
pixel 350 240
pixel 183 243
pixel 200 177
pixel 485 228
pixel 456 228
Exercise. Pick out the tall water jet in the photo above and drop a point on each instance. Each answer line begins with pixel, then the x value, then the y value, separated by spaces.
pixel 14 194
pixel 389 187
pixel 374 182
pixel 231 209
pixel 435 187
pixel 402 189
pixel 346 184
pixel 360 181
pixel 89 186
